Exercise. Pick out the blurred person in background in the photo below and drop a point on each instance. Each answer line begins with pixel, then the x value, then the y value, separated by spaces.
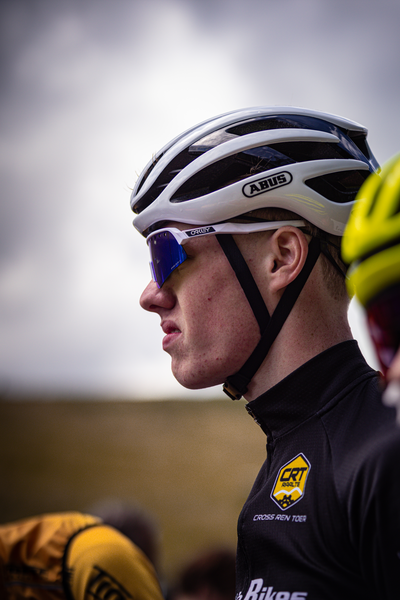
pixel 208 576
pixel 372 245
pixel 133 521
pixel 72 556
pixel 243 216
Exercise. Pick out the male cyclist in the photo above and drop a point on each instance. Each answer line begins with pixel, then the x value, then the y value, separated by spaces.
pixel 372 244
pixel 243 215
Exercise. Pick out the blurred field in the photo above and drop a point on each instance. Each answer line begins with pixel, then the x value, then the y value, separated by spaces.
pixel 190 463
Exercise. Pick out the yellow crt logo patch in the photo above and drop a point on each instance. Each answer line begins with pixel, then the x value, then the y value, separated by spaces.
pixel 290 483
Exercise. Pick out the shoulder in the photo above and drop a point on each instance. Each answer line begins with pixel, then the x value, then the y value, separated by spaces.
pixel 373 505
pixel 363 438
pixel 32 550
pixel 40 537
pixel 381 453
pixel 371 473
pixel 101 558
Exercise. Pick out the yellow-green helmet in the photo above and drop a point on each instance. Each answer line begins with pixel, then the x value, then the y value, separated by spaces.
pixel 371 241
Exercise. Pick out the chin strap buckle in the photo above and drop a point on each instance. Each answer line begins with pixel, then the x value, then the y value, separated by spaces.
pixel 235 387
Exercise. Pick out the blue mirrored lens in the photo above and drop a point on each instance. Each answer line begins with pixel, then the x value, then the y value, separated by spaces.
pixel 166 255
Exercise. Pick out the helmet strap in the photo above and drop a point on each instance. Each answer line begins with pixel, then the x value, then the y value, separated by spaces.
pixel 236 385
pixel 245 278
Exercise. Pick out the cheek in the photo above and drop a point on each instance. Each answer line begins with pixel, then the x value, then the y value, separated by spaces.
pixel 223 319
pixel 217 315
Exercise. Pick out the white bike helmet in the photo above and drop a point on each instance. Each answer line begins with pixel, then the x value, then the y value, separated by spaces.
pixel 304 161
pixel 301 160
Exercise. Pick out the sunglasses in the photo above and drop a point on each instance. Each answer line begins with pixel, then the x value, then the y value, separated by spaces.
pixel 383 318
pixel 166 245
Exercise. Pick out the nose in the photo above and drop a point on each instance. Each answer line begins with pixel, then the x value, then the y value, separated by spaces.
pixel 155 299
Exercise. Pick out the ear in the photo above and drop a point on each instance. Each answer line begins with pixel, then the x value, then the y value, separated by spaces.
pixel 289 249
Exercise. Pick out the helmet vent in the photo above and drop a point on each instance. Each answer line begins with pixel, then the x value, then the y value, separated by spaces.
pixel 253 161
pixel 339 187
pixel 304 151
pixel 180 161
pixel 263 124
pixel 230 170
pixel 361 143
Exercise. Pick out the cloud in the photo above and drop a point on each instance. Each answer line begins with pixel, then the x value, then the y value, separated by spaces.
pixel 89 92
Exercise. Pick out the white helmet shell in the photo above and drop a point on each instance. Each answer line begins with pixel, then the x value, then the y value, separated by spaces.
pixel 305 161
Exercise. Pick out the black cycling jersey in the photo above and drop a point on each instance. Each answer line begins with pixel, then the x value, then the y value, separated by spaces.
pixel 323 518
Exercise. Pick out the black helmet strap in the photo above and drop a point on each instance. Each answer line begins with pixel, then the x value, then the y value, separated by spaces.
pixel 245 278
pixel 236 385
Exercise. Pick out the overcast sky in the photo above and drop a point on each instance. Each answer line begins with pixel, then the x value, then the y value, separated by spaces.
pixel 90 89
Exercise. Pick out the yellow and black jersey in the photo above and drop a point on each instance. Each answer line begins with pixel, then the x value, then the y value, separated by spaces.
pixel 322 521
pixel 72 556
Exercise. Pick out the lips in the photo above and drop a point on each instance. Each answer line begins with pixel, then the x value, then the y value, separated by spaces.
pixel 169 327
pixel 171 333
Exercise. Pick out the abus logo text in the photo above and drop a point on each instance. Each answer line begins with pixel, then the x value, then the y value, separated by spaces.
pixel 266 184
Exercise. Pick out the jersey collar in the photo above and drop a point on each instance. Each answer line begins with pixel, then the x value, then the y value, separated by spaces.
pixel 311 389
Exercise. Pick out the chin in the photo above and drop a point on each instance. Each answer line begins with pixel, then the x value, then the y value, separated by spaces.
pixel 189 385
pixel 191 382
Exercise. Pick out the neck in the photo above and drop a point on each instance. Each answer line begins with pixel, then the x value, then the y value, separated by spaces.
pixel 315 324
